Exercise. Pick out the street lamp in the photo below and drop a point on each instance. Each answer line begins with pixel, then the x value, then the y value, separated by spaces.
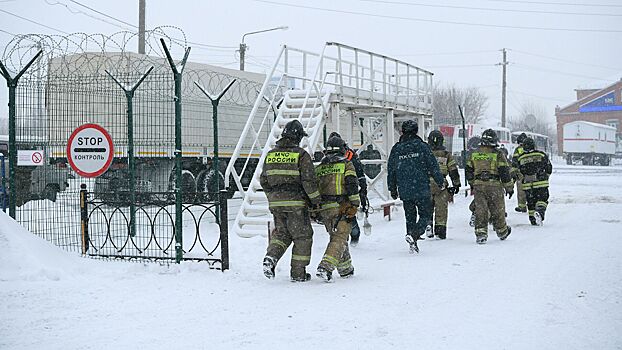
pixel 243 45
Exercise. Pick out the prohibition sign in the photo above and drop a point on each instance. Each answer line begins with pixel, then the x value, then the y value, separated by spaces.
pixel 37 157
pixel 90 150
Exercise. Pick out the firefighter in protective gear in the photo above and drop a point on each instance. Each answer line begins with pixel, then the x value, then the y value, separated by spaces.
pixel 488 172
pixel 520 193
pixel 351 155
pixel 289 181
pixel 535 168
pixel 440 198
pixel 340 200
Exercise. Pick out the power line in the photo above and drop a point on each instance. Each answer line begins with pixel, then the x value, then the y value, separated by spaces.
pixel 564 60
pixel 493 9
pixel 554 3
pixel 463 65
pixel 134 26
pixel 31 21
pixel 538 96
pixel 519 65
pixel 445 53
pixel 439 21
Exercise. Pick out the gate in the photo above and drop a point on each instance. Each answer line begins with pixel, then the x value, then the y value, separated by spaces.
pixel 161 197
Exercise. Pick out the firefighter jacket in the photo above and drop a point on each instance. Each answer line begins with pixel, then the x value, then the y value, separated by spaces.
pixel 447 165
pixel 536 168
pixel 338 182
pixel 358 167
pixel 488 166
pixel 288 176
pixel 410 167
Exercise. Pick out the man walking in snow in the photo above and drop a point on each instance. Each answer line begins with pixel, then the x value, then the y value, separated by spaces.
pixel 440 198
pixel 488 172
pixel 535 168
pixel 410 167
pixel 340 200
pixel 288 179
pixel 351 156
pixel 520 193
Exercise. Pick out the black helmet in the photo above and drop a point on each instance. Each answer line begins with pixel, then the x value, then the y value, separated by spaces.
pixel 473 142
pixel 489 138
pixel 335 144
pixel 294 130
pixel 410 127
pixel 529 144
pixel 334 133
pixel 435 139
pixel 521 138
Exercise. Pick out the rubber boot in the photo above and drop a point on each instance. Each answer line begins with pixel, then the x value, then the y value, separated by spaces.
pixel 440 231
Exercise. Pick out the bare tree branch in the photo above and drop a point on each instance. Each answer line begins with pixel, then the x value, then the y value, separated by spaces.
pixel 446 101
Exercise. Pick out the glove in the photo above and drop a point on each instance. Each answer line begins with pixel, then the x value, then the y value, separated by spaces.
pixel 509 193
pixel 454 190
pixel 348 211
pixel 394 194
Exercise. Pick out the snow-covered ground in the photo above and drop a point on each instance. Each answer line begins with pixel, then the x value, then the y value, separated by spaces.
pixel 553 287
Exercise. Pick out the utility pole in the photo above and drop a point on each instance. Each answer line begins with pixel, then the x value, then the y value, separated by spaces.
pixel 141 26
pixel 503 86
pixel 242 54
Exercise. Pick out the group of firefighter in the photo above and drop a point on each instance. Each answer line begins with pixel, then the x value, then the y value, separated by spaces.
pixel 331 192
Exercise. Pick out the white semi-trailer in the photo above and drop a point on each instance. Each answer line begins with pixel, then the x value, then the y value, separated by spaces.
pixel 590 143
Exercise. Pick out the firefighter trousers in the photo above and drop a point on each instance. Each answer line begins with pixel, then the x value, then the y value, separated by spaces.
pixel 521 196
pixel 292 225
pixel 489 206
pixel 537 200
pixel 337 254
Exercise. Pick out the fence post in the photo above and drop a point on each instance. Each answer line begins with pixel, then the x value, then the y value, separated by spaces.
pixel 129 95
pixel 215 101
pixel 177 75
pixel 11 83
pixel 224 229
pixel 3 175
pixel 84 218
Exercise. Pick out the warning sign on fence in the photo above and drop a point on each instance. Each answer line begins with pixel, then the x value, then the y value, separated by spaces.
pixel 30 158
pixel 90 150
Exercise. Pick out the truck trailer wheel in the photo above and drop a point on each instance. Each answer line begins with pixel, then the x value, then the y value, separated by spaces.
pixel 50 192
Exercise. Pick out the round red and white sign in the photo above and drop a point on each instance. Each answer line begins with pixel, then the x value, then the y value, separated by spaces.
pixel 90 150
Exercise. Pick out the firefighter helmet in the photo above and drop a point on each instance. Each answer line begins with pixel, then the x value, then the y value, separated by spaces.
pixel 294 130
pixel 521 138
pixel 335 144
pixel 529 144
pixel 489 138
pixel 435 139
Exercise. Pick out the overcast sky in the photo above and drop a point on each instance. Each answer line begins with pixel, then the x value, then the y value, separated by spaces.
pixel 554 46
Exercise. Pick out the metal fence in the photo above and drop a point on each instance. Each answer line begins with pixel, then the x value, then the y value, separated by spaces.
pixel 161 191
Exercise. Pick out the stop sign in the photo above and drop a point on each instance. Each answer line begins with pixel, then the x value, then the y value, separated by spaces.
pixel 90 150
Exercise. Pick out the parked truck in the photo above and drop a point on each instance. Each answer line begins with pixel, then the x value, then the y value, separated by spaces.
pixel 590 143
pixel 79 91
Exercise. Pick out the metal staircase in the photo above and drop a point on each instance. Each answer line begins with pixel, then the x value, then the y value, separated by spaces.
pixel 355 93
pixel 310 109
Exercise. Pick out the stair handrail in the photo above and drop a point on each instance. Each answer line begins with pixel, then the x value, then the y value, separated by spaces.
pixel 249 123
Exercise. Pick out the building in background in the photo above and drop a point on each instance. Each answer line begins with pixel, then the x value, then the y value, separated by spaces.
pixel 603 106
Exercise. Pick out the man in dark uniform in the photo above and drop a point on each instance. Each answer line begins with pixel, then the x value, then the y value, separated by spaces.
pixel 289 181
pixel 410 167
pixel 339 191
pixel 488 172
pixel 360 174
pixel 535 168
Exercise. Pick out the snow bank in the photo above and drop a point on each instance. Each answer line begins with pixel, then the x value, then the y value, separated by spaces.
pixel 24 256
